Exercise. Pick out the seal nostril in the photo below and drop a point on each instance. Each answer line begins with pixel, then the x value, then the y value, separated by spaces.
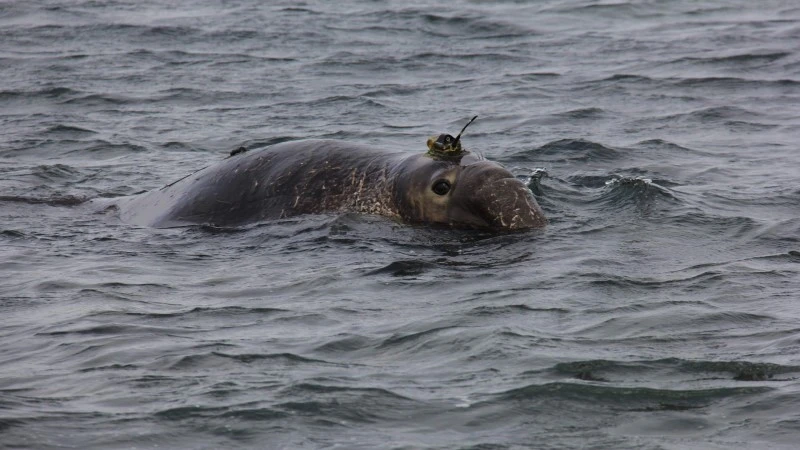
pixel 441 187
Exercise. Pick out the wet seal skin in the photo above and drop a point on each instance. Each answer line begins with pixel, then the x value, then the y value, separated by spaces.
pixel 446 185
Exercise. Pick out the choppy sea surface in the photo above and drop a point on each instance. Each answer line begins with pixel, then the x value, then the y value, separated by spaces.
pixel 660 309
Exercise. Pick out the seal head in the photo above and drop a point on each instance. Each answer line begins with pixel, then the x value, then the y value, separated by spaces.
pixel 452 186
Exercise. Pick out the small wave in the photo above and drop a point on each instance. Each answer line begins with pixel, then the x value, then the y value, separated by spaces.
pixel 62 31
pixel 532 76
pixel 110 367
pixel 188 412
pixel 619 281
pixel 196 95
pixel 514 310
pixel 412 339
pixel 55 172
pixel 660 370
pixel 732 82
pixel 107 150
pixel 569 150
pixel 233 35
pixel 308 319
pixel 68 131
pixel 351 404
pixel 240 412
pixel 216 359
pixel 691 82
pixel 345 344
pixel 179 146
pixel 98 99
pixel 621 78
pixel 8 423
pixel 737 319
pixel 404 268
pixel 792 256
pixel 650 306
pixel 113 329
pixel 622 193
pixel 669 149
pixel 630 397
pixel 738 60
pixel 200 312
pixel 743 370
pixel 583 114
pixel 14 234
pixel 297 9
pixel 743 126
pixel 683 324
pixel 459 25
pixel 237 412
pixel 286 357
pixel 455 60
pixel 534 181
pixel 49 93
pixel 67 200
pixel 713 115
pixel 590 181
pixel 493 29
pixel 316 388
pixel 614 9
pixel 256 414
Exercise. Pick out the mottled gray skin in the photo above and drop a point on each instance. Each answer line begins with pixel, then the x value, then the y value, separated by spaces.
pixel 322 176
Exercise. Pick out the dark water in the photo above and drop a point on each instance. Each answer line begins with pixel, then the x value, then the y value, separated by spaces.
pixel 658 310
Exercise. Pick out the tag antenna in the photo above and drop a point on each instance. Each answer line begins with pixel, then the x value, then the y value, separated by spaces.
pixel 458 138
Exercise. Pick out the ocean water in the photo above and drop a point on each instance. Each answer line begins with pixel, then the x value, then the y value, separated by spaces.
pixel 658 310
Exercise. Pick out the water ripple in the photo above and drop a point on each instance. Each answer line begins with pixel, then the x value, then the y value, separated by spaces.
pixel 657 308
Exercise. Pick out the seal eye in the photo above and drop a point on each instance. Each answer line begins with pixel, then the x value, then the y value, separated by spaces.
pixel 441 187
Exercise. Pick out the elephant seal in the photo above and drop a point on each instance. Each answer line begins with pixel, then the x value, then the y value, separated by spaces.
pixel 446 185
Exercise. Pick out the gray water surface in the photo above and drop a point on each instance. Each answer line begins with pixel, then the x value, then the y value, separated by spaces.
pixel 659 309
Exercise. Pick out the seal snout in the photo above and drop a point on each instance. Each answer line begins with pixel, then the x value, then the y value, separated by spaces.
pixel 507 203
pixel 499 199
